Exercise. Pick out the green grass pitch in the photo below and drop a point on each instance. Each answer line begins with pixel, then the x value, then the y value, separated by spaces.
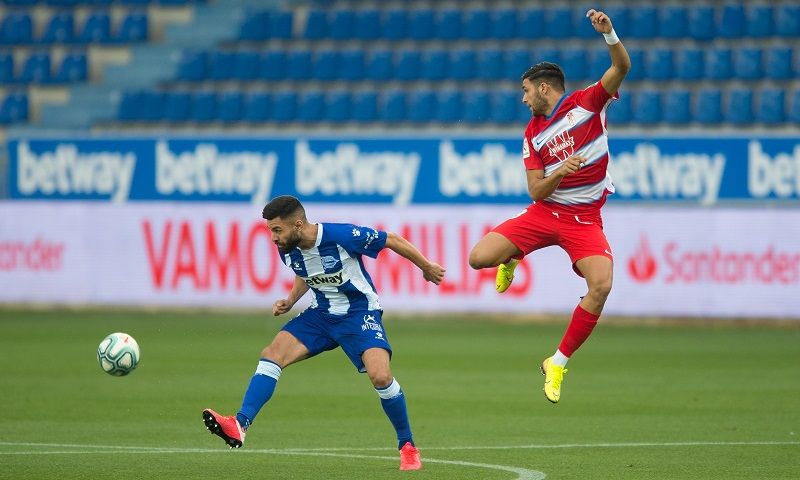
pixel 673 402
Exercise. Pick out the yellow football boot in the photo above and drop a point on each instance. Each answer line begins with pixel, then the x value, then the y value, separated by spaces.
pixel 553 376
pixel 505 275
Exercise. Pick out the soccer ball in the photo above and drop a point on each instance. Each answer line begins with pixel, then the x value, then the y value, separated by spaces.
pixel 118 354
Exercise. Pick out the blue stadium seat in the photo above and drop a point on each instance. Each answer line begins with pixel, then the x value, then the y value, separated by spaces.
pixel 36 68
pixel 96 28
pixel 316 25
pixel 130 105
pixel 546 54
pixel 771 106
pixel 476 106
pixel 719 64
pixel 503 24
pixel 778 64
pixel 489 65
pixel 257 107
pixel 420 25
pixel 21 3
pixel 204 107
pixel 476 25
pixel 435 65
pixel 342 23
pixel 504 106
pixel 338 107
pixel 759 22
pixel 581 26
pixel 311 107
pixel 637 71
pixel 60 29
pixel 6 68
pixel 230 106
pixel 708 106
pixel 794 107
pixel 365 106
pixel 619 112
pixel 558 23
pixel 14 108
pixel 298 65
pixel 367 25
pixel 421 106
pixel 379 65
pixel 326 65
pixel 191 66
pixel 134 28
pixel 677 106
pixel 447 25
pixel 284 106
pixel 529 24
pixel 176 106
pixel 646 107
pixel 16 28
pixel 351 65
pixel 747 64
pixel 246 65
pixel 515 63
pixel 659 64
pixel 620 16
pixel 448 107
pixel 152 109
pixel 392 107
pixel 395 24
pixel 787 20
pixel 574 64
pixel 73 68
pixel 273 65
pixel 597 62
pixel 701 22
pixel 644 22
pixel 462 65
pixel 672 21
pixel 739 106
pixel 689 64
pixel 281 24
pixel 731 23
pixel 222 65
pixel 255 26
pixel 407 66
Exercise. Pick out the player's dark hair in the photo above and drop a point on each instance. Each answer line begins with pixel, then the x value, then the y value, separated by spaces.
pixel 284 206
pixel 546 72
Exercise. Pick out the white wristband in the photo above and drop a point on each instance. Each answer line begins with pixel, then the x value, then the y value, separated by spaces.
pixel 611 38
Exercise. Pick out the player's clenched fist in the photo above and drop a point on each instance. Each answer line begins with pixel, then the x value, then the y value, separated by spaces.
pixel 280 307
pixel 572 165
pixel 600 21
pixel 433 273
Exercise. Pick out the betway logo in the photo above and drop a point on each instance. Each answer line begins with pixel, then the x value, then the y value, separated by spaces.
pixel 778 175
pixel 67 171
pixel 493 171
pixel 349 171
pixel 648 173
pixel 332 279
pixel 207 171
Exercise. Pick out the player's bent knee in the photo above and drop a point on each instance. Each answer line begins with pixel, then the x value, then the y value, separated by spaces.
pixel 477 260
pixel 600 290
pixel 381 379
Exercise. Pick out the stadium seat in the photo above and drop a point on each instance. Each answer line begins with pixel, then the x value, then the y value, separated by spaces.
pixel 677 106
pixel 6 68
pixel 14 108
pixel 326 65
pixel 747 64
pixel 338 106
pixel 503 24
pixel 73 68
pixel 60 29
pixel 597 62
pixel 574 63
pixel 701 22
pixel 152 109
pixel 504 106
pixel 435 65
pixel 581 26
pixel 351 65
pixel 476 106
pixel 298 65
pixel 529 24
pixel 672 22
pixel 689 64
pixel 222 65
pixel 489 65
pixel 341 24
pixel 637 71
pixel 393 106
pixel 708 106
pixel 719 64
pixel 644 22
pixel 395 24
pixel 311 106
pixel 545 55
pixel 36 68
pixel 420 24
pixel 462 65
pixel 281 25
pixel 421 106
pixel 191 66
pixel 246 65
pixel 96 29
pixel 739 106
pixel 255 26
pixel 771 106
pixel 778 63
pixel 515 63
pixel 273 65
pixel 407 65
pixel 204 107
pixel 447 24
pixel 316 25
pixel 619 112
pixel 731 23
pixel 367 25
pixel 130 105
pixel 16 28
pixel 646 107
pixel 558 23
pixel 787 20
pixel 365 106
pixel 256 107
pixel 659 64
pixel 620 16
pixel 230 106
pixel 379 65
pixel 134 28
pixel 284 106
pixel 794 107
pixel 176 106
pixel 476 25
pixel 759 22
pixel 448 107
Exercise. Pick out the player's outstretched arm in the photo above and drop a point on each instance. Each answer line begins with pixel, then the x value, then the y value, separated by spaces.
pixel 433 272
pixel 283 305
pixel 620 61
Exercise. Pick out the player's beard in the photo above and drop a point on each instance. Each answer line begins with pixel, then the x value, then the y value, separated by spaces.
pixel 539 104
pixel 290 244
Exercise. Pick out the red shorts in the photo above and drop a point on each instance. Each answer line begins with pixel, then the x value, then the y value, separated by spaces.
pixel 540 226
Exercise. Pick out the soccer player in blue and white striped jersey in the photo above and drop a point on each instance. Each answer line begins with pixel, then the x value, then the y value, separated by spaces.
pixel 345 312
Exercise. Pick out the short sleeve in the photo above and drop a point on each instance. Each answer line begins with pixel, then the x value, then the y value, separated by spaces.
pixel 531 158
pixel 362 240
pixel 594 97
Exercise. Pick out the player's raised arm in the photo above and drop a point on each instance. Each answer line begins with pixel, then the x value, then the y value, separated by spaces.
pixel 433 272
pixel 283 305
pixel 620 61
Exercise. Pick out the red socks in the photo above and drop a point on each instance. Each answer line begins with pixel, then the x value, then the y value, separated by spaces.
pixel 579 329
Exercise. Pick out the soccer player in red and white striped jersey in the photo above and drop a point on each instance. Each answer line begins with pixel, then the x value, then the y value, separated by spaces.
pixel 565 151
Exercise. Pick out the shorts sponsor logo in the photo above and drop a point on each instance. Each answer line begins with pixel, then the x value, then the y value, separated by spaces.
pixel 371 324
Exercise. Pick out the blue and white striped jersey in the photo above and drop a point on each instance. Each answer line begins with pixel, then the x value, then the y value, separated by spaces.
pixel 334 270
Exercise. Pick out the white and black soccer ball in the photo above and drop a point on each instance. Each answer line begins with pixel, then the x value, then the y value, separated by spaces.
pixel 118 354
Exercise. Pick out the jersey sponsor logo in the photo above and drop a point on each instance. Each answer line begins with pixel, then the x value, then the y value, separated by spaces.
pixel 328 261
pixel 562 146
pixel 332 279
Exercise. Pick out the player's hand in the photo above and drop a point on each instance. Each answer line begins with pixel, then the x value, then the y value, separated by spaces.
pixel 280 307
pixel 600 21
pixel 433 272
pixel 572 165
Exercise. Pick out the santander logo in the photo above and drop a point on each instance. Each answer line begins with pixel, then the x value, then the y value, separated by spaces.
pixel 642 265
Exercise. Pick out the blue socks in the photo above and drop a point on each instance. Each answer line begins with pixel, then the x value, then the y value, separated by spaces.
pixel 260 390
pixel 394 404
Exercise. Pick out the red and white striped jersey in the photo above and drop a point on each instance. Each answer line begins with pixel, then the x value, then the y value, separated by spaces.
pixel 577 126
